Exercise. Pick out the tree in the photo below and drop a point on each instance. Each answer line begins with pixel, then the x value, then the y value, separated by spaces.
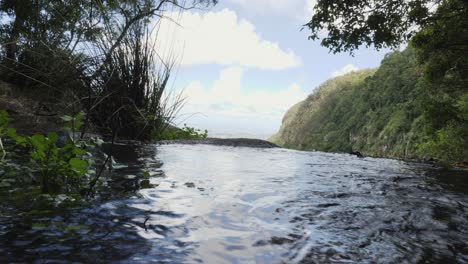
pixel 383 23
pixel 31 31
pixel 67 50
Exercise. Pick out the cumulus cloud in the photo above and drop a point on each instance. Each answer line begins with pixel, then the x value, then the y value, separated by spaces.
pixel 346 69
pixel 227 98
pixel 299 9
pixel 220 38
pixel 267 6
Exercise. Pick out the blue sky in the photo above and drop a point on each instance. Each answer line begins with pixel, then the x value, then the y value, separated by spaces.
pixel 243 63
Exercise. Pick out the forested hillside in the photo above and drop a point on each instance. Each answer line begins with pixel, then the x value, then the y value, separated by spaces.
pixel 388 112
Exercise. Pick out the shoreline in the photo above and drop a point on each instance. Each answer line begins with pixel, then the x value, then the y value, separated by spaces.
pixel 232 142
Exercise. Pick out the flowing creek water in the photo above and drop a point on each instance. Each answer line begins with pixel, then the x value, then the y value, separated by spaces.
pixel 214 204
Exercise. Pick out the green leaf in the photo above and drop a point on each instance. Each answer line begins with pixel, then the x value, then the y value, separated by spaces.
pixel 80 115
pixel 11 133
pixel 66 118
pixel 36 138
pixel 53 137
pixel 78 165
pixel 38 141
pixel 4 119
pixel 79 151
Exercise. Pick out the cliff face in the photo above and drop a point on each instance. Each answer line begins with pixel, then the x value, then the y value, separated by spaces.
pixel 381 112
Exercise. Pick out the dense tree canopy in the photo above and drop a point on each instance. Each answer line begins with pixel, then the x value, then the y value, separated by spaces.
pixel 379 113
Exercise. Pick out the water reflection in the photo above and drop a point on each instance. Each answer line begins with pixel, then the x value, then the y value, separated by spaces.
pixel 242 205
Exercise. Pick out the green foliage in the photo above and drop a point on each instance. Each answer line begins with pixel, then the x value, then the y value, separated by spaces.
pixel 59 165
pixel 133 101
pixel 100 52
pixel 414 106
pixel 448 145
pixel 4 121
pixel 73 123
pixel 462 107
pixel 183 133
pixel 350 24
pixel 382 113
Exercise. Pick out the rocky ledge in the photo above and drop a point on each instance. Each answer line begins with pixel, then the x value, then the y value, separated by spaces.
pixel 233 142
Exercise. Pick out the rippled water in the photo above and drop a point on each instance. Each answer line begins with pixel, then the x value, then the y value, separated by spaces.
pixel 213 204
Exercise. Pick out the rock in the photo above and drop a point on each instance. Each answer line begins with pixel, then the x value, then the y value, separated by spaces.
pixel 280 240
pixel 357 153
pixel 190 184
pixel 326 205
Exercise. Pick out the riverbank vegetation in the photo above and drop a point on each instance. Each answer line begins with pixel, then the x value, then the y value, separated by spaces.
pixel 83 68
pixel 413 106
pixel 94 57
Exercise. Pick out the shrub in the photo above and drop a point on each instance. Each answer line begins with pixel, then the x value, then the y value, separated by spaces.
pixel 60 166
pixel 182 133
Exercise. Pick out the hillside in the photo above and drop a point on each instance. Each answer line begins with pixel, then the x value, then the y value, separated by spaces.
pixel 382 112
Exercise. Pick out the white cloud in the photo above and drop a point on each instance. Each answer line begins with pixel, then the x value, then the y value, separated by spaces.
pixel 299 9
pixel 346 69
pixel 310 6
pixel 267 6
pixel 220 38
pixel 227 98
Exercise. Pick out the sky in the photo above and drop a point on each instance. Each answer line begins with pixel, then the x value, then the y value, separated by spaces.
pixel 242 64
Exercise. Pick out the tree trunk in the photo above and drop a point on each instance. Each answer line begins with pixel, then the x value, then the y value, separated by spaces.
pixel 11 47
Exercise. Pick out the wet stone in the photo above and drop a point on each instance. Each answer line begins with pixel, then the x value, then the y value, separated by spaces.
pixel 190 184
pixel 280 240
pixel 325 205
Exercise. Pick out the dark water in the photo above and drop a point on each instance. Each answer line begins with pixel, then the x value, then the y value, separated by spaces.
pixel 208 204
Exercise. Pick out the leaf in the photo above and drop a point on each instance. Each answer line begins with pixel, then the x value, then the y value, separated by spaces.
pixel 79 151
pixel 99 141
pixel 38 141
pixel 4 119
pixel 66 118
pixel 53 137
pixel 5 184
pixel 80 116
pixel 78 165
pixel 11 132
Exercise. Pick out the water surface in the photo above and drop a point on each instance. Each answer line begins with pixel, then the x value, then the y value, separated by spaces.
pixel 211 204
